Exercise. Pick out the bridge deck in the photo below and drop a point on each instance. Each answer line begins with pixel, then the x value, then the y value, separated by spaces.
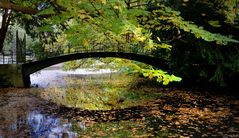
pixel 31 67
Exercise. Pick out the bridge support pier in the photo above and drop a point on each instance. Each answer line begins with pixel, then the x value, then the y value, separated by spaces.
pixel 11 75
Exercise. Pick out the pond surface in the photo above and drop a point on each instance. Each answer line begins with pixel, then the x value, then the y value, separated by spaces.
pixel 54 76
pixel 100 103
pixel 22 110
pixel 22 115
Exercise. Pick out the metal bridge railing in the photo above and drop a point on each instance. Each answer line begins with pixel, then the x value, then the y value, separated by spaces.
pixel 8 57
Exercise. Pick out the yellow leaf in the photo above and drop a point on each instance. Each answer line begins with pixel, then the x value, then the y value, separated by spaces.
pixel 116 7
pixel 83 16
pixel 82 11
pixel 103 1
pixel 158 39
pixel 85 42
pixel 140 38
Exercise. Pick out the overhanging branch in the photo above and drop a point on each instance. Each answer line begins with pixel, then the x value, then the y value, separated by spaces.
pixel 8 5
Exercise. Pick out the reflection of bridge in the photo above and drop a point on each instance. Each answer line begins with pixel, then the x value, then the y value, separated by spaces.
pixel 18 75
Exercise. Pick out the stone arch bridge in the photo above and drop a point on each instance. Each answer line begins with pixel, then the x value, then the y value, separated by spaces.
pixel 18 75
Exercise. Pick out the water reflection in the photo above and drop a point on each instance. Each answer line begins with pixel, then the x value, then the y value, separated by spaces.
pixel 37 125
pixel 46 126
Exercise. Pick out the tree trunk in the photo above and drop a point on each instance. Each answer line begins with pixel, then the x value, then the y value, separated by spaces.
pixel 6 17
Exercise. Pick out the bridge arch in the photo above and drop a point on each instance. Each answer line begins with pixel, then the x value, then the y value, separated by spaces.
pixel 29 68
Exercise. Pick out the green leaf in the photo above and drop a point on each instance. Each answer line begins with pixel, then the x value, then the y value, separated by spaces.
pixel 214 23
pixel 46 11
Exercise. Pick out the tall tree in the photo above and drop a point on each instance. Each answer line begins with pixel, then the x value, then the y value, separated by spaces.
pixel 24 12
pixel 6 18
pixel 6 11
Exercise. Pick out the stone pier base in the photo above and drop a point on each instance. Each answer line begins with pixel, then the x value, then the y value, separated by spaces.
pixel 11 75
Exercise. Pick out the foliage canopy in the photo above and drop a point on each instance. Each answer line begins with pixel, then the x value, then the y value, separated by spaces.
pixel 181 32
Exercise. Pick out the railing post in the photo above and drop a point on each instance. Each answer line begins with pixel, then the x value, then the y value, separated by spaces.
pixel 3 59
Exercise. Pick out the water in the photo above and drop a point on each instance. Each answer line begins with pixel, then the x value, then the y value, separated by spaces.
pixel 47 126
pixel 23 111
pixel 54 75
pixel 23 115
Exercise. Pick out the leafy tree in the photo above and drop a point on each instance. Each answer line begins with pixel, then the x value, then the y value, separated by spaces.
pixel 199 55
pixel 191 43
pixel 7 15
pixel 153 26
pixel 25 13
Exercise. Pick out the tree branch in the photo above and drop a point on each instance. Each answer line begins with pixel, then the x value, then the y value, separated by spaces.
pixel 8 5
pixel 95 7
